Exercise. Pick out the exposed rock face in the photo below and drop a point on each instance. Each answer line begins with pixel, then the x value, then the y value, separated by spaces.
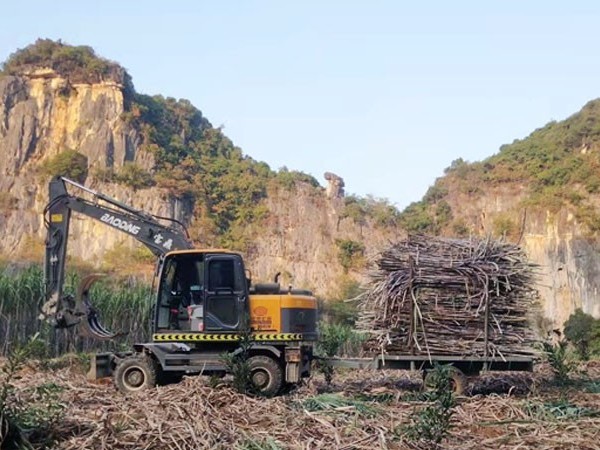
pixel 42 115
pixel 569 262
pixel 335 185
pixel 299 241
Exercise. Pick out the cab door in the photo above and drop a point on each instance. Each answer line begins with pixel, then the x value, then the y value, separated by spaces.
pixel 226 293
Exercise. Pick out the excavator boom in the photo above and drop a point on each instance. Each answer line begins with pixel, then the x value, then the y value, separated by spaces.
pixel 65 311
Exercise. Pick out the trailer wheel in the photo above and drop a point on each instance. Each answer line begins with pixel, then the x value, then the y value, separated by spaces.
pixel 266 374
pixel 458 381
pixel 135 373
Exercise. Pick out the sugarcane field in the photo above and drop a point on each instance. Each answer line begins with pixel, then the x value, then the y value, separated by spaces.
pixel 427 302
pixel 359 410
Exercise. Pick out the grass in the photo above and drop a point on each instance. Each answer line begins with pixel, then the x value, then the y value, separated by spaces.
pixel 339 403
pixel 123 306
pixel 558 410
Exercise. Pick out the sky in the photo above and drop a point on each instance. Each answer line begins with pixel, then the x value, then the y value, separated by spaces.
pixel 385 94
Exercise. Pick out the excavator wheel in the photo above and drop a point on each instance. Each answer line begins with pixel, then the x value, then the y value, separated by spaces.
pixel 135 373
pixel 266 374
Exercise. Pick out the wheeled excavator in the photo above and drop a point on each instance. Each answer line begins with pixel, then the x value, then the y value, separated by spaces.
pixel 204 303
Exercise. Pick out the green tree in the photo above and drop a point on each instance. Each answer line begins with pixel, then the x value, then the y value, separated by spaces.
pixel 583 332
pixel 349 253
pixel 134 176
pixel 417 218
pixel 355 209
pixel 69 164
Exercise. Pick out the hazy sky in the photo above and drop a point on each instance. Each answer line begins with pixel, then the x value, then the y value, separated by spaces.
pixel 384 93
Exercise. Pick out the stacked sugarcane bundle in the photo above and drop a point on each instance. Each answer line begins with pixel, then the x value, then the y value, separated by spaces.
pixel 438 296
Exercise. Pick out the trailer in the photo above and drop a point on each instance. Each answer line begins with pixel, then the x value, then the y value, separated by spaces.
pixel 462 367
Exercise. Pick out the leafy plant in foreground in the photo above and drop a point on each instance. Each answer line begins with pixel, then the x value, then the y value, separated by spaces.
pixel 559 361
pixel 237 363
pixel 26 417
pixel 431 424
pixel 332 338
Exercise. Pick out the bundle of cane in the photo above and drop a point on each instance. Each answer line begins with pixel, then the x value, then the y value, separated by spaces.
pixel 430 295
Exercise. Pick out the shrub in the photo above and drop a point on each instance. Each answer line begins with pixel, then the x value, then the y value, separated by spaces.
pixel 237 363
pixel 504 226
pixel 417 218
pixel 349 253
pixel 134 176
pixel 583 332
pixel 435 193
pixel 69 164
pixel 332 339
pixel 354 209
pixel 289 178
pixel 105 174
pixel 460 228
pixel 443 214
pixel 382 211
pixel 342 308
pixel 120 257
pixel 7 201
pixel 558 358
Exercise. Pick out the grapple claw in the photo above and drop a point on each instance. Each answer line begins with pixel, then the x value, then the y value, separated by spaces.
pixel 91 326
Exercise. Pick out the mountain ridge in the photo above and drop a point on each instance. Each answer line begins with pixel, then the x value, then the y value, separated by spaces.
pixel 162 155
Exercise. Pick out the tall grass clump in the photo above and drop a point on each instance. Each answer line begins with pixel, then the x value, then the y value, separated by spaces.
pixel 123 306
pixel 21 295
pixel 27 416
pixel 334 340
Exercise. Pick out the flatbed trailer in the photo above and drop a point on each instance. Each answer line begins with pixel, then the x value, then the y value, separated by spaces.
pixel 466 364
pixel 462 366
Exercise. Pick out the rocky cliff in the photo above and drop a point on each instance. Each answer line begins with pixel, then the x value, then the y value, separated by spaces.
pixel 38 121
pixel 541 191
pixel 44 112
pixel 567 256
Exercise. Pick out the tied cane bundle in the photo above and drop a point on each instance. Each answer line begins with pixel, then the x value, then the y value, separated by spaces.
pixel 437 296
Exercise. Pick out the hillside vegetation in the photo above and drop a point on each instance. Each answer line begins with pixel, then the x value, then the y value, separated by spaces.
pixel 557 165
pixel 78 64
pixel 193 160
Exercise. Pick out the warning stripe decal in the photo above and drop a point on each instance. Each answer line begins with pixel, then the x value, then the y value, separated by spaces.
pixel 195 337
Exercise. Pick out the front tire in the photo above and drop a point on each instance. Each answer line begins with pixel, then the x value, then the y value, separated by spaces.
pixel 134 374
pixel 266 374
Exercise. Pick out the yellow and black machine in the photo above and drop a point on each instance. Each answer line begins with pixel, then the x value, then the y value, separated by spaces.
pixel 204 303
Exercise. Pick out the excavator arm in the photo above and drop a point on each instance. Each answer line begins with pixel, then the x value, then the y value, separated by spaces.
pixel 65 311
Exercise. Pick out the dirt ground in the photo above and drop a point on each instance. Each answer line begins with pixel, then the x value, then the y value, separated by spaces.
pixel 361 410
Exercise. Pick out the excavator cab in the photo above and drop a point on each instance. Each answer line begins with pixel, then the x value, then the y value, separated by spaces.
pixel 201 291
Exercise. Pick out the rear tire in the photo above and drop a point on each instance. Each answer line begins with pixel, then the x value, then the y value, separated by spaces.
pixel 266 374
pixel 135 373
